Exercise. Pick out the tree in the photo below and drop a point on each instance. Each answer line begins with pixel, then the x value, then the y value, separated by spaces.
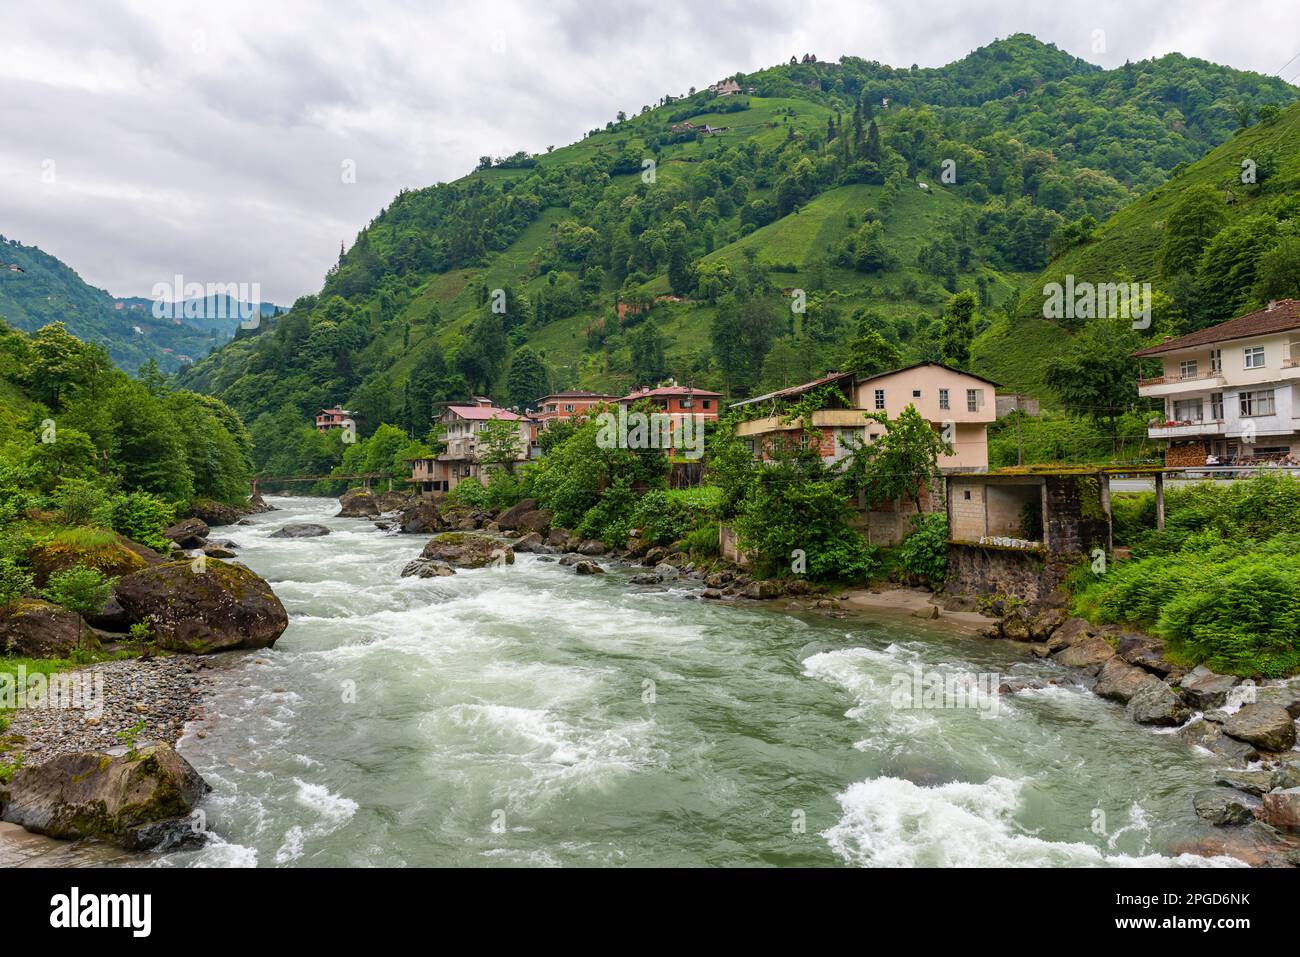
pixel 871 354
pixel 61 364
pixel 1278 276
pixel 1097 375
pixel 742 333
pixel 528 379
pixel 500 445
pixel 1190 227
pixel 1230 261
pixel 646 345
pixel 958 329
pixel 80 589
pixel 900 463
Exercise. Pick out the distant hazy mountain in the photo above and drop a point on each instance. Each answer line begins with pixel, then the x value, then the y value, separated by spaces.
pixel 37 288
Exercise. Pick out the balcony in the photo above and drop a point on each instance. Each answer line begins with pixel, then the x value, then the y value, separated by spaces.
pixel 1187 430
pixel 1171 385
pixel 829 418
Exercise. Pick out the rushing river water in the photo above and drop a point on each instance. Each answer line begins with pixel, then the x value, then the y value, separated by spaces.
pixel 530 716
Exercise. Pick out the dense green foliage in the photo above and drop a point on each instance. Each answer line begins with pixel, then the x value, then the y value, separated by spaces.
pixel 1221 582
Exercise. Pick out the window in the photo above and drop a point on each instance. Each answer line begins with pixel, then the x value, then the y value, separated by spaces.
pixel 704 403
pixel 1216 361
pixel 916 393
pixel 880 398
pixel 967 493
pixel 1187 369
pixel 1187 410
pixel 974 399
pixel 568 408
pixel 943 400
pixel 1255 403
pixel 1216 406
pixel 1254 357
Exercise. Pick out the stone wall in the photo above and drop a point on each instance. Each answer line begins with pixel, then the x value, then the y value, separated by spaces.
pixel 992 570
pixel 1075 521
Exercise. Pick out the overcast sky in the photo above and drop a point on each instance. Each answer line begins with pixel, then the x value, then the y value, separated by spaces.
pixel 144 138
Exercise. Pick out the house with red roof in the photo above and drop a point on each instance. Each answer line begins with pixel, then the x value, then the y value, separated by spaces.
pixel 462 426
pixel 569 405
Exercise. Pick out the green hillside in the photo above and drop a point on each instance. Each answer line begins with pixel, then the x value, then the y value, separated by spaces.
pixel 43 290
pixel 650 248
pixel 1247 252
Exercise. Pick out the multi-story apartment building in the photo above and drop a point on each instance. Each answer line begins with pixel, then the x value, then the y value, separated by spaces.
pixel 1229 391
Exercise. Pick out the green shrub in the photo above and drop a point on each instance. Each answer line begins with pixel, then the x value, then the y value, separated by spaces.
pixel 15 581
pixel 704 540
pixel 83 590
pixel 141 517
pixel 82 502
pixel 784 520
pixel 470 492
pixel 504 489
pixel 610 519
pixel 1231 603
pixel 924 553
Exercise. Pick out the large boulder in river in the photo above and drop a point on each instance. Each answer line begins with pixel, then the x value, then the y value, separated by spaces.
pixel 1282 809
pixel 216 513
pixel 1088 654
pixel 137 799
pixel 301 530
pixel 1269 727
pixel 31 628
pixel 257 505
pixel 1120 681
pixel 468 550
pixel 1222 807
pixel 190 533
pixel 1207 690
pixel 201 608
pixel 391 501
pixel 358 503
pixel 419 517
pixel 1157 703
pixel 509 518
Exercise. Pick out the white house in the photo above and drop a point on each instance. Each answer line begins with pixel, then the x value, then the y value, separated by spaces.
pixel 1230 390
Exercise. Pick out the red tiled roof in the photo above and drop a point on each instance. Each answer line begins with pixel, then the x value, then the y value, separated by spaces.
pixel 482 412
pixel 1281 316
pixel 669 390
pixel 577 395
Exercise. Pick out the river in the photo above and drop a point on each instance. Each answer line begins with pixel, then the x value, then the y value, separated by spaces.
pixel 530 716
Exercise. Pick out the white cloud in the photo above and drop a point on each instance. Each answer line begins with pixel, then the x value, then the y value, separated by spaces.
pixel 208 138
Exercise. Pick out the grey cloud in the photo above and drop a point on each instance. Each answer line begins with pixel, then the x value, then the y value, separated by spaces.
pixel 223 162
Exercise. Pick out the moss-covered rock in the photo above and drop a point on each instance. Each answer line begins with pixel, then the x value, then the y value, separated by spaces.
pixel 114 557
pixel 136 800
pixel 31 628
pixel 203 607
pixel 468 550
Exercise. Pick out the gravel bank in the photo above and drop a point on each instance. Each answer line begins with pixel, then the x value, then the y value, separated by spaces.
pixel 164 693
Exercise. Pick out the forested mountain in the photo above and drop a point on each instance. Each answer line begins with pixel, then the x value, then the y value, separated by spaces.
pixel 41 289
pixel 807 216
pixel 1220 238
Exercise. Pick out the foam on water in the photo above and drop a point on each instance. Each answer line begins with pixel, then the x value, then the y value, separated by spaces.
pixel 888 822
